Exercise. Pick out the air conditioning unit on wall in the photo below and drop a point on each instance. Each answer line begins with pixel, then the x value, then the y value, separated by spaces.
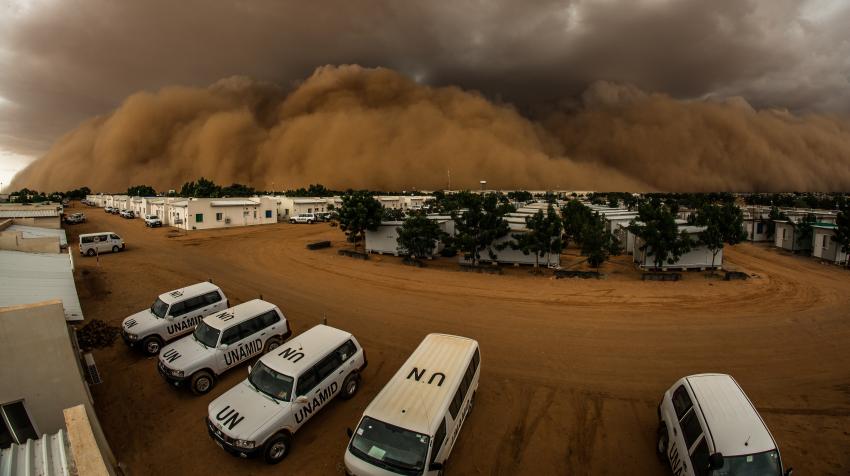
pixel 92 374
pixel 227 220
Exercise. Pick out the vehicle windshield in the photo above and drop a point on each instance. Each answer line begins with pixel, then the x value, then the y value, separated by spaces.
pixel 270 382
pixel 159 308
pixel 766 463
pixel 390 447
pixel 206 334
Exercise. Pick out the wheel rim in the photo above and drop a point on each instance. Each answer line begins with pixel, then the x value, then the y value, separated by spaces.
pixel 352 387
pixel 273 345
pixel 153 347
pixel 203 384
pixel 278 449
pixel 114 249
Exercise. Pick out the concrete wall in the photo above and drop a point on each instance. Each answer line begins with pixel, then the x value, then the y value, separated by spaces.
pixel 43 222
pixel 40 365
pixel 15 241
pixel 699 257
pixel 89 449
pixel 826 248
pixel 786 237
pixel 760 232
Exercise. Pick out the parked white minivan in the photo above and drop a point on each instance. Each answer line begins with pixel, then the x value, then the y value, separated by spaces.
pixel 96 243
pixel 173 314
pixel 708 426
pixel 284 389
pixel 412 425
pixel 223 341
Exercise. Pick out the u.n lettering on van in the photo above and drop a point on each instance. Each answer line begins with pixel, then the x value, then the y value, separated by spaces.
pixel 171 355
pixel 319 400
pixel 436 378
pixel 243 352
pixel 291 354
pixel 181 326
pixel 229 417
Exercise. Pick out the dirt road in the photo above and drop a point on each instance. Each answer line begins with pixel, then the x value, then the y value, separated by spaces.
pixel 571 369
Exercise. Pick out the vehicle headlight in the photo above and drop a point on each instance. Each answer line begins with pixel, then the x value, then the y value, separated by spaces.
pixel 132 336
pixel 175 373
pixel 244 444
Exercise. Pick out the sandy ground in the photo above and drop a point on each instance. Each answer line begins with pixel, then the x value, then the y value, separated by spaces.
pixel 571 369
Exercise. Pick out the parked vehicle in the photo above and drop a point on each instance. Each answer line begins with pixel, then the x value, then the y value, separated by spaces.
pixel 284 389
pixel 127 214
pixel 708 426
pixel 96 243
pixel 152 221
pixel 115 211
pixel 413 423
pixel 223 341
pixel 173 314
pixel 108 209
pixel 324 216
pixel 75 218
pixel 304 218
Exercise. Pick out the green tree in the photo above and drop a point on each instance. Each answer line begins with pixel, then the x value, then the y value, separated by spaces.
pixel 775 215
pixel 479 225
pixel 520 196
pixel 597 244
pixel 359 212
pixel 237 190
pixel 141 191
pixel 803 232
pixel 392 214
pixel 574 216
pixel 656 226
pixel 613 201
pixel 203 188
pixel 418 235
pixel 543 236
pixel 724 224
pixel 842 233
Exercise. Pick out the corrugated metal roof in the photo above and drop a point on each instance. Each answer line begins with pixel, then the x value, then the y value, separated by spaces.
pixel 234 203
pixel 38 232
pixel 28 213
pixel 27 278
pixel 47 456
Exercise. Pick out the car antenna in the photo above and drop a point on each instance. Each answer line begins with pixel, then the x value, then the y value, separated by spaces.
pixel 747 442
pixel 324 319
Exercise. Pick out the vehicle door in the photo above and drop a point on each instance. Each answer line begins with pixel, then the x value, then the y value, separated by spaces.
pixel 114 240
pixel 242 342
pixel 686 431
pixel 184 316
pixel 319 387
pixel 272 326
pixel 103 244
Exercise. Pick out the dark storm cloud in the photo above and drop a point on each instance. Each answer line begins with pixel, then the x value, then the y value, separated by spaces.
pixel 61 62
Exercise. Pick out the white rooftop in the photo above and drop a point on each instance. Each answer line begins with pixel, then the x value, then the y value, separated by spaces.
pixel 49 455
pixel 27 278
pixel 735 425
pixel 189 291
pixel 239 313
pixel 313 344
pixel 234 203
pixel 28 212
pixel 39 232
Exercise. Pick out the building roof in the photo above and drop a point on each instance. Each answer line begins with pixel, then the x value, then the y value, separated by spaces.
pixel 180 203
pixel 189 291
pixel 49 455
pixel 734 424
pixel 38 232
pixel 411 404
pixel 239 313
pixel 309 200
pixel 234 203
pixel 313 344
pixel 26 278
pixel 29 212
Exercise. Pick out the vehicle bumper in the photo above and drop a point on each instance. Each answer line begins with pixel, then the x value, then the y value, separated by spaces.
pixel 220 441
pixel 128 341
pixel 172 380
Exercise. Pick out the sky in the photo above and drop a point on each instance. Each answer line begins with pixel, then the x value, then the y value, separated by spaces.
pixel 64 62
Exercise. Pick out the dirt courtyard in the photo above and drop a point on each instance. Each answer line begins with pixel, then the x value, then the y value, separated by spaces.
pixel 572 370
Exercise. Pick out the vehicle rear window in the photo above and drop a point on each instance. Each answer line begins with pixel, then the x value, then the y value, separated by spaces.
pixel 212 297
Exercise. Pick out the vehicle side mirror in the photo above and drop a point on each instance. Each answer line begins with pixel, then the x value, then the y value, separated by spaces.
pixel 349 432
pixel 301 399
pixel 169 317
pixel 222 346
pixel 715 461
pixel 435 467
pixel 249 370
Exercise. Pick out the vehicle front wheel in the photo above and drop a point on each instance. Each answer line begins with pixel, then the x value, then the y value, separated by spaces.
pixel 350 386
pixel 151 345
pixel 277 448
pixel 115 249
pixel 202 382
pixel 663 440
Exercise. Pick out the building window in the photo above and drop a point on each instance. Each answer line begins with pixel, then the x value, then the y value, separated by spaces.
pixel 15 425
pixel 760 228
pixel 825 242
pixel 218 216
pixel 199 217
pixel 255 214
pixel 268 213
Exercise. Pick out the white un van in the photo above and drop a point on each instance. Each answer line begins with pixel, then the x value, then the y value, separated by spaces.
pixel 285 389
pixel 223 341
pixel 173 314
pixel 96 243
pixel 412 425
pixel 708 426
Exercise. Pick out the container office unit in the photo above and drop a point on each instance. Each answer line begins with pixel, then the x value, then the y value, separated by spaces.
pixel 384 240
pixel 699 257
pixel 824 245
pixel 208 213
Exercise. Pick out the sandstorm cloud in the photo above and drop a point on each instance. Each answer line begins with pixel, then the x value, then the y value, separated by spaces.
pixel 539 69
